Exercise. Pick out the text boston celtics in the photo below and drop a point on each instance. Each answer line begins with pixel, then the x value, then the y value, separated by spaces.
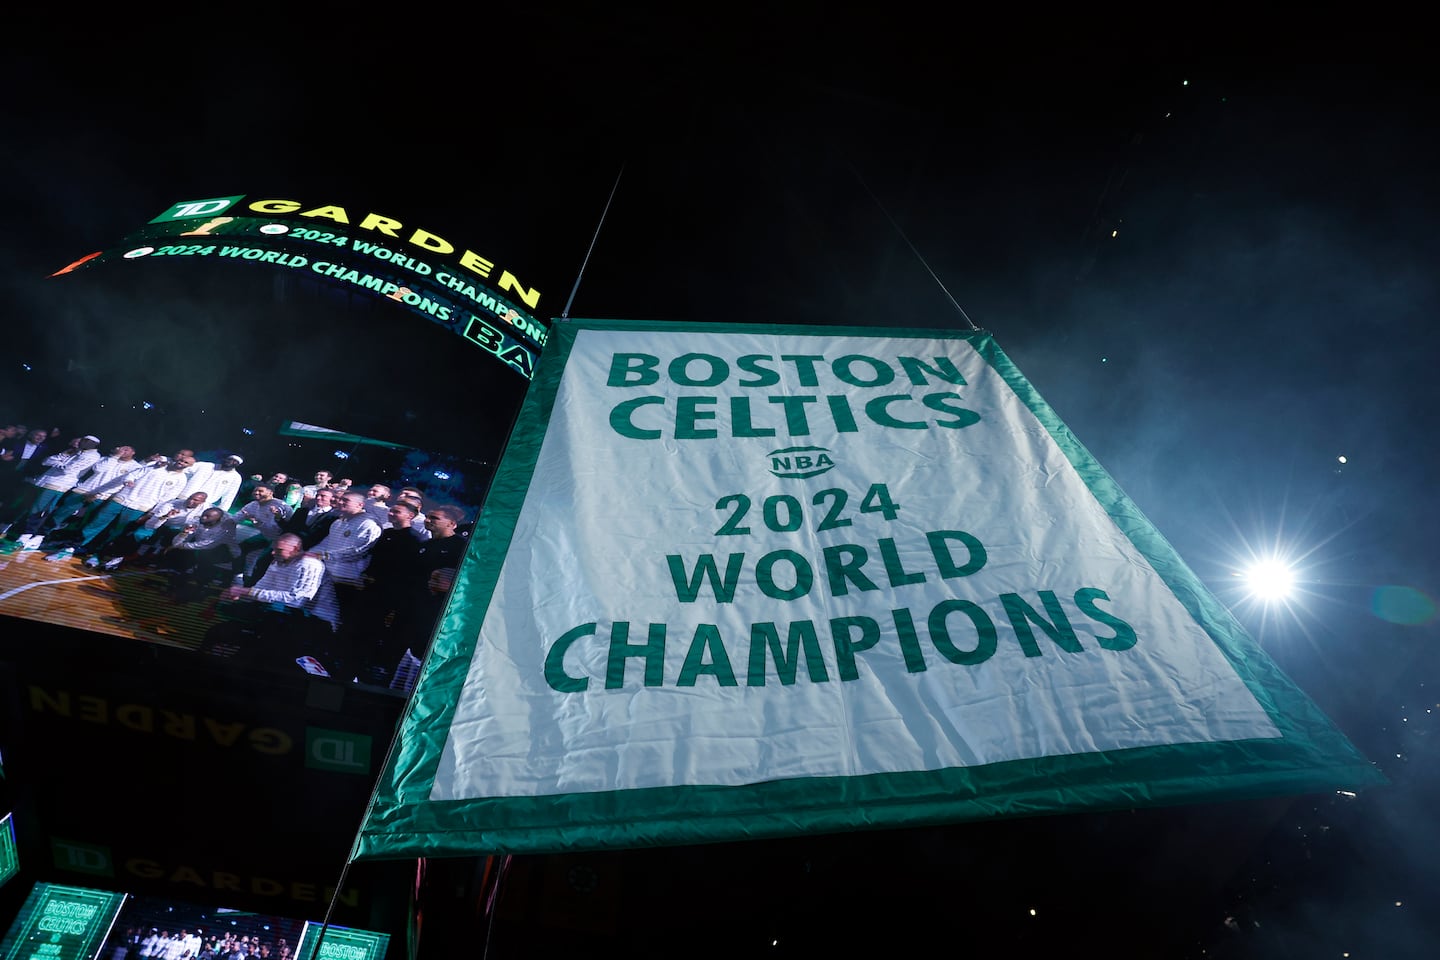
pixel 792 415
pixel 960 631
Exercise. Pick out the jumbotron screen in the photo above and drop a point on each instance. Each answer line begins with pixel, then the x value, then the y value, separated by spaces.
pixel 79 923
pixel 259 430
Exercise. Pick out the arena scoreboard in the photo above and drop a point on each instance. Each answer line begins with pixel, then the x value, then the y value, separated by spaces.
pixel 368 253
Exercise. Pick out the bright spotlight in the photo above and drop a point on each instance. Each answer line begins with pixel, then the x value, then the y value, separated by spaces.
pixel 1270 580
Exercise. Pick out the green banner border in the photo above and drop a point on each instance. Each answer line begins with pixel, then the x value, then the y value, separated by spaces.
pixel 1310 755
pixel 9 852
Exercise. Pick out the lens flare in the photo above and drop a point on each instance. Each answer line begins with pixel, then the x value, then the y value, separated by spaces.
pixel 1403 605
pixel 1270 580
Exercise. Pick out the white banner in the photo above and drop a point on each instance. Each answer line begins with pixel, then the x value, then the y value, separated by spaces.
pixel 747 557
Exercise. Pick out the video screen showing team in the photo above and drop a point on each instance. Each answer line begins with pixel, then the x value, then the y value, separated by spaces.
pixel 138 943
pixel 338 580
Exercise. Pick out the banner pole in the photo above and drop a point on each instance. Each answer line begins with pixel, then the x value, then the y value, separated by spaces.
pixel 912 247
pixel 565 314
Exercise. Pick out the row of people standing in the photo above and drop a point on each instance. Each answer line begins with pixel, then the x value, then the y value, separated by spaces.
pixel 161 944
pixel 110 493
pixel 380 587
pixel 383 581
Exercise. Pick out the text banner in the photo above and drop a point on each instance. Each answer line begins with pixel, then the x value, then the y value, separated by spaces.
pixel 748 581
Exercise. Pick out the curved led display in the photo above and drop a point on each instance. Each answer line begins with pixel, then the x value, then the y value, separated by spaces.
pixel 367 253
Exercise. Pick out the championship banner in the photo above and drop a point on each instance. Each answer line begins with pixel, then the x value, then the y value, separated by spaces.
pixel 743 581
pixel 321 942
pixel 57 923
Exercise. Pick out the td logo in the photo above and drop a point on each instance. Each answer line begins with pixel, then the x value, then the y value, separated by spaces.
pixel 186 209
pixel 81 857
pixel 337 750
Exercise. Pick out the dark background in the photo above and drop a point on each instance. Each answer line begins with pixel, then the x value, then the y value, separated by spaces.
pixel 1205 235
